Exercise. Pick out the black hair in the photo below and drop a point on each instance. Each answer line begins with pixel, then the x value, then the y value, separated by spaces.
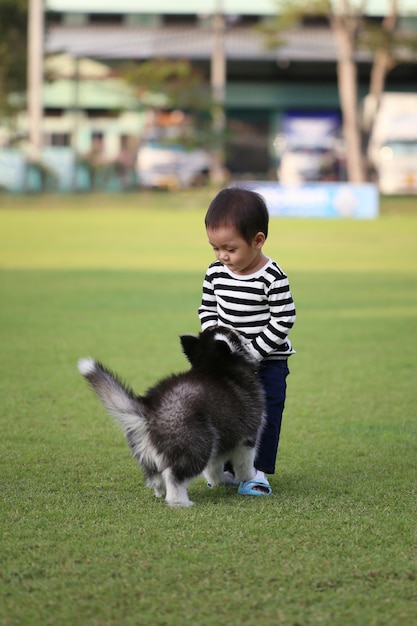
pixel 242 208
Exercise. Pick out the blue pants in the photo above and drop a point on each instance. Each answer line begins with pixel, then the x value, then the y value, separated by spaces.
pixel 273 375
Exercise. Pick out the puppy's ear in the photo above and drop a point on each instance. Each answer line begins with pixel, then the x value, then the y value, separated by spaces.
pixel 223 343
pixel 189 345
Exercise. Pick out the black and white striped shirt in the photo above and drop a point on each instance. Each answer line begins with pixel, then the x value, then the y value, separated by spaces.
pixel 259 306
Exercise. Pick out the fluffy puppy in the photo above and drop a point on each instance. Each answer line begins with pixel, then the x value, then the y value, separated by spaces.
pixel 193 422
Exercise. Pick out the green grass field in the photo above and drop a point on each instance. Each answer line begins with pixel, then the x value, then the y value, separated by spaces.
pixel 83 543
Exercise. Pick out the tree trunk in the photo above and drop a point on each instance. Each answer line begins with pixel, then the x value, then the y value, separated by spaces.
pixel 381 65
pixel 218 86
pixel 383 61
pixel 348 94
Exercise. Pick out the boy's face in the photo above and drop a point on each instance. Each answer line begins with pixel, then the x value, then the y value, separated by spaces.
pixel 239 256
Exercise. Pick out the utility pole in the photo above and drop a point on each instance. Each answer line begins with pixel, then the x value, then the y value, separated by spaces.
pixel 218 58
pixel 218 88
pixel 35 73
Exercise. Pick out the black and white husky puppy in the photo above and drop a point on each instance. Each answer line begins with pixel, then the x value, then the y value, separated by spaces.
pixel 193 422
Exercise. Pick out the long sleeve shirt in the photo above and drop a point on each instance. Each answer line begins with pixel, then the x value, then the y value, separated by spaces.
pixel 259 306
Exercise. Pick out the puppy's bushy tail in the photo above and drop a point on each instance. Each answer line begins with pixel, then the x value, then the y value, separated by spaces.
pixel 119 400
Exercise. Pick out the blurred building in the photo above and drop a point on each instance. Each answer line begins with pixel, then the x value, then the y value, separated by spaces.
pixel 261 85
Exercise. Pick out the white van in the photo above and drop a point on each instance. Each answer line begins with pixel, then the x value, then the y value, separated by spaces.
pixel 167 166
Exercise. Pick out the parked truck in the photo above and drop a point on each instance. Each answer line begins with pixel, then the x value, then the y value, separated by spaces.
pixel 160 165
pixel 392 148
pixel 309 147
pixel 163 161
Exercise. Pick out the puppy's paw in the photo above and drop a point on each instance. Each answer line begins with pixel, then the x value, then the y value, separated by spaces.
pixel 228 479
pixel 176 504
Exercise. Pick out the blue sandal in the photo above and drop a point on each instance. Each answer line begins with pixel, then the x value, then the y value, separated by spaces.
pixel 248 488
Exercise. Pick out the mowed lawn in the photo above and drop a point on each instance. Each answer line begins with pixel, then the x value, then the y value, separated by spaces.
pixel 84 543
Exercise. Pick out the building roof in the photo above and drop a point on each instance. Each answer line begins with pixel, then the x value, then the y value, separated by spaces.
pixel 230 7
pixel 96 85
pixel 144 42
pixel 242 7
pixel 65 66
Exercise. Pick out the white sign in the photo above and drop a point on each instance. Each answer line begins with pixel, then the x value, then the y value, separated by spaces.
pixel 325 200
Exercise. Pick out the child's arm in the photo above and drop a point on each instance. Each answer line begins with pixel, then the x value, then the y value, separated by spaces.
pixel 208 309
pixel 274 335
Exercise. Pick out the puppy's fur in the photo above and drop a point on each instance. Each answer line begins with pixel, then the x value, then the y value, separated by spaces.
pixel 193 422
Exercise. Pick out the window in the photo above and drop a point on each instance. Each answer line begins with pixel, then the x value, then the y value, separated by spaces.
pixel 57 139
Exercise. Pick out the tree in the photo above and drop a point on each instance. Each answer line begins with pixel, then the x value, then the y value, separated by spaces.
pixel 345 25
pixel 13 53
pixel 391 45
pixel 386 43
pixel 164 84
pixel 178 84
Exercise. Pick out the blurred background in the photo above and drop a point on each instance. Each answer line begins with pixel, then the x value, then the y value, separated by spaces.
pixel 104 95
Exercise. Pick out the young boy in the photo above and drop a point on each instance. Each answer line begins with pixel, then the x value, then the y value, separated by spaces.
pixel 248 291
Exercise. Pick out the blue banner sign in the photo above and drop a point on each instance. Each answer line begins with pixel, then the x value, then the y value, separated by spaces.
pixel 319 200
